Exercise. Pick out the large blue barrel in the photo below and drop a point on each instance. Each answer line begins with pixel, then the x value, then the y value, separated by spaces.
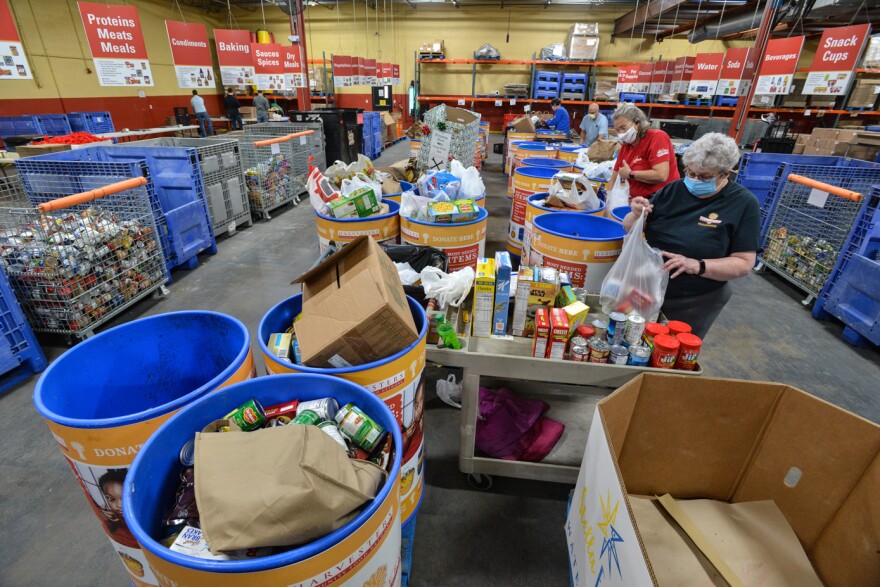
pixel 620 212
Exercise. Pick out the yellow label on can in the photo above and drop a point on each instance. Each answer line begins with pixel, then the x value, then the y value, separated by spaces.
pixel 385 229
pixel 587 262
pixel 462 243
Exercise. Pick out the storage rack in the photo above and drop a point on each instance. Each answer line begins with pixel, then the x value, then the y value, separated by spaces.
pixel 81 250
pixel 222 175
pixel 311 143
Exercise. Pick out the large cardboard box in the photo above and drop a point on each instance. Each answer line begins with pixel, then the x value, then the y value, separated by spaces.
pixel 522 124
pixel 458 139
pixel 731 441
pixel 248 112
pixel 354 309
pixel 582 48
pixel 825 133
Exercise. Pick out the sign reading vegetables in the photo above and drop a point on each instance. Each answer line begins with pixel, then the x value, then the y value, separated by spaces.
pixel 117 44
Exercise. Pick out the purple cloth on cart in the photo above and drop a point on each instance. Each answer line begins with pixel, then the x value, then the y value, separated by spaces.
pixel 513 428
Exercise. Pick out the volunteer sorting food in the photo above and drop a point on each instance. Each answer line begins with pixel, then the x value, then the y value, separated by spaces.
pixel 647 158
pixel 708 228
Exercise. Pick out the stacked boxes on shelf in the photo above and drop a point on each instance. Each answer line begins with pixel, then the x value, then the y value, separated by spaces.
pixel 546 85
pixel 574 86
pixel 582 43
pixel 373 140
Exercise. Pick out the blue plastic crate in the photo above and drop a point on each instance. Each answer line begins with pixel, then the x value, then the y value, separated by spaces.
pixel 757 171
pixel 856 301
pixel 20 353
pixel 548 75
pixel 634 98
pixel 572 87
pixel 54 124
pixel 92 122
pixel 28 125
pixel 574 78
pixel 726 100
pixel 545 95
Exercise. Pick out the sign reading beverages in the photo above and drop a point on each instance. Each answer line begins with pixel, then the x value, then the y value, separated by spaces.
pixel 191 54
pixel 117 44
pixel 832 70
pixel 268 66
pixel 736 73
pixel 778 66
pixel 707 69
pixel 234 56
pixel 13 63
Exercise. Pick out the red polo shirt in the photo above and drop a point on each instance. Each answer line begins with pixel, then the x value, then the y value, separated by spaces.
pixel 654 148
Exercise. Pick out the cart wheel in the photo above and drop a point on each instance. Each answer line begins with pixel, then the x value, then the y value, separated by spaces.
pixel 480 481
pixel 161 292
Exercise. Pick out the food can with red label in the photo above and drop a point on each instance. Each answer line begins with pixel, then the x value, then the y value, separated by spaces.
pixel 579 353
pixel 599 350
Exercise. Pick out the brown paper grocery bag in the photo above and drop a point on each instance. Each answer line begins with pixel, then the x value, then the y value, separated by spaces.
pixel 277 486
pixel 602 150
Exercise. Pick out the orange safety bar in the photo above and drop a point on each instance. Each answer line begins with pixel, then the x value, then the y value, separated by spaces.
pixel 83 197
pixel 283 139
pixel 812 183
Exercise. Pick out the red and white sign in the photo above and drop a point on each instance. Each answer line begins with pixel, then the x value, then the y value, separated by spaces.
pixel 234 56
pixel 360 70
pixel 836 57
pixel 628 78
pixel 191 54
pixel 778 66
pixel 117 44
pixel 646 72
pixel 294 73
pixel 737 71
pixel 707 70
pixel 681 77
pixel 662 78
pixel 268 66
pixel 395 74
pixel 342 73
pixel 370 69
pixel 13 63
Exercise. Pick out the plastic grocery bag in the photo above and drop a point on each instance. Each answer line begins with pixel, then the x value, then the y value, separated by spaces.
pixel 576 199
pixel 471 183
pixel 637 281
pixel 449 391
pixel 414 207
pixel 447 288
pixel 619 195
pixel 582 159
pixel 361 181
pixel 321 189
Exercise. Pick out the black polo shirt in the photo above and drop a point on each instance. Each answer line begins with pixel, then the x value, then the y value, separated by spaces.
pixel 703 228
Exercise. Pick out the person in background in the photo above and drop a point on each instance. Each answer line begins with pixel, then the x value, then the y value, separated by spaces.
pixel 647 157
pixel 593 126
pixel 262 106
pixel 232 106
pixel 707 227
pixel 206 128
pixel 560 121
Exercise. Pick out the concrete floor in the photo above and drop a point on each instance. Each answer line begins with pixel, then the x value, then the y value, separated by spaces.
pixel 511 535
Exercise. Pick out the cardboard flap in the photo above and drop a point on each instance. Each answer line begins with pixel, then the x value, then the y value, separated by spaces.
pixel 460 115
pixel 333 259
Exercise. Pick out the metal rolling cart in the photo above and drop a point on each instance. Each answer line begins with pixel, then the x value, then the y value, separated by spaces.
pixel 78 259
pixel 313 144
pixel 571 388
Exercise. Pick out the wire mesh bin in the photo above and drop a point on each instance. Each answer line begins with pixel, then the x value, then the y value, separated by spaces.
pixel 809 230
pixel 313 144
pixel 222 176
pixel 80 258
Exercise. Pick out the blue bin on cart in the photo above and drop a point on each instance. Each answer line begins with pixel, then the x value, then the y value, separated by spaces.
pixel 855 301
pixel 20 353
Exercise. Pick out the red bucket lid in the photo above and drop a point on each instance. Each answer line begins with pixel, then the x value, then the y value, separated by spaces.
pixel 689 340
pixel 666 342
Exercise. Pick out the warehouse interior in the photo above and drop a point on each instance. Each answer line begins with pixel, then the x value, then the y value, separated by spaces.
pixel 781 408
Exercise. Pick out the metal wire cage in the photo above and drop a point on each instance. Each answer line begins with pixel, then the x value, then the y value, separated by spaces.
pixel 312 144
pixel 809 229
pixel 78 260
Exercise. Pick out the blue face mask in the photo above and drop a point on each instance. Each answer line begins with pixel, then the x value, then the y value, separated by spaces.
pixel 700 188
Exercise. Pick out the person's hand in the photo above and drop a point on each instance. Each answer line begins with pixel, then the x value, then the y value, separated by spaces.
pixel 624 172
pixel 678 264
pixel 109 515
pixel 639 205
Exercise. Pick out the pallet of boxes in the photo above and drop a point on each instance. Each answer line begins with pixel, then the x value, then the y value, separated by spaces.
pixel 854 143
pixel 582 42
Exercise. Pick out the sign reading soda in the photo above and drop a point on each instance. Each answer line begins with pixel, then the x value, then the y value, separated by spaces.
pixel 736 73
pixel 234 56
pixel 117 44
pixel 832 70
pixel 191 54
pixel 778 66
pixel 14 64
pixel 707 69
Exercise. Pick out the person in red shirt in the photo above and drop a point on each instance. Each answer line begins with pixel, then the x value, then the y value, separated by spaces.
pixel 647 157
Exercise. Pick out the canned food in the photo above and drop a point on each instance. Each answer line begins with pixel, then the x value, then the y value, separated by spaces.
pixel 616 327
pixel 618 355
pixel 358 427
pixel 326 408
pixel 578 341
pixel 188 453
pixel 639 356
pixel 307 418
pixel 601 327
pixel 286 409
pixel 599 350
pixel 332 430
pixel 248 416
pixel 279 421
pixel 635 326
pixel 579 353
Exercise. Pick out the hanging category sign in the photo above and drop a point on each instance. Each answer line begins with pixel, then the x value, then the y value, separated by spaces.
pixel 707 69
pixel 662 78
pixel 13 63
pixel 778 66
pixel 191 54
pixel 117 44
pixel 737 71
pixel 294 74
pixel 628 78
pixel 370 69
pixel 234 56
pixel 268 66
pixel 681 77
pixel 836 57
pixel 360 70
pixel 395 74
pixel 342 71
pixel 646 72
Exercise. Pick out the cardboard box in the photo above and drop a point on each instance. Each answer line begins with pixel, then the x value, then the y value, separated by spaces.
pixel 542 333
pixel 522 124
pixel 577 315
pixel 248 112
pixel 34 150
pixel 584 28
pixel 581 48
pixel 732 441
pixel 458 140
pixel 825 144
pixel 557 340
pixel 798 149
pixel 452 212
pixel 824 133
pixel 809 150
pixel 484 297
pixel 354 308
pixel 801 139
pixel 868 138
pixel 524 278
pixel 503 270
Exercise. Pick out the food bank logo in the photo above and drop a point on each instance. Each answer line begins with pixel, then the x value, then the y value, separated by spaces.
pixel 608 561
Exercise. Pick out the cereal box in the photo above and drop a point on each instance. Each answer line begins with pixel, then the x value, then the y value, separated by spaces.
pixel 524 278
pixel 558 334
pixel 502 292
pixel 452 212
pixel 542 332
pixel 484 297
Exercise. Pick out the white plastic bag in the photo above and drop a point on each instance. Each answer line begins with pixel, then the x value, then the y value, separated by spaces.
pixel 637 281
pixel 447 288
pixel 414 207
pixel 576 199
pixel 449 391
pixel 582 159
pixel 408 275
pixel 471 183
pixel 619 195
pixel 360 180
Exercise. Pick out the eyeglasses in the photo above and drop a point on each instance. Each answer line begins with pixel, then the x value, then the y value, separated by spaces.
pixel 623 129
pixel 693 175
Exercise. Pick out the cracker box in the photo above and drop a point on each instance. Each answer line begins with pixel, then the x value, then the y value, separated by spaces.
pixel 358 204
pixel 503 271
pixel 544 287
pixel 452 212
pixel 558 336
pixel 484 297
pixel 542 333
pixel 564 297
pixel 524 278
pixel 577 315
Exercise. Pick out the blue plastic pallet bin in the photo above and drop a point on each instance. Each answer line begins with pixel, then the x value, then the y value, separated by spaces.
pixel 54 124
pixel 92 122
pixel 634 98
pixel 20 354
pixel 757 171
pixel 726 100
pixel 856 301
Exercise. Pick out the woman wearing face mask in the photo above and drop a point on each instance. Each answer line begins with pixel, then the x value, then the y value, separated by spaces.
pixel 647 157
pixel 707 227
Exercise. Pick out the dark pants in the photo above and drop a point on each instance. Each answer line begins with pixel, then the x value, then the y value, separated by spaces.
pixel 698 311
pixel 262 117
pixel 235 120
pixel 206 127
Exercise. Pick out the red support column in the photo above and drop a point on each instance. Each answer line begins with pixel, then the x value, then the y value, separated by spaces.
pixel 298 27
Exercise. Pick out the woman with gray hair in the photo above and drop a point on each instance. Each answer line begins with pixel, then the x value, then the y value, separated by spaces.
pixel 708 229
pixel 647 157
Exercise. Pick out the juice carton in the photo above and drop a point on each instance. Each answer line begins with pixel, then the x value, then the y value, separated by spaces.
pixel 542 333
pixel 502 292
pixel 558 334
pixel 484 297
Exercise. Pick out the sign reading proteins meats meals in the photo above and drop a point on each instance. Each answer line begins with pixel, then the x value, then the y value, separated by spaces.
pixel 191 54
pixel 835 60
pixel 117 44
pixel 13 63
pixel 778 66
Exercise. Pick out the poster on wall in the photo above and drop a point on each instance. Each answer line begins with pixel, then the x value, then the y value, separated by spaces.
pixel 268 66
pixel 707 69
pixel 839 50
pixel 681 77
pixel 117 44
pixel 778 67
pixel 737 71
pixel 13 63
pixel 294 76
pixel 234 56
pixel 191 54
pixel 395 74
